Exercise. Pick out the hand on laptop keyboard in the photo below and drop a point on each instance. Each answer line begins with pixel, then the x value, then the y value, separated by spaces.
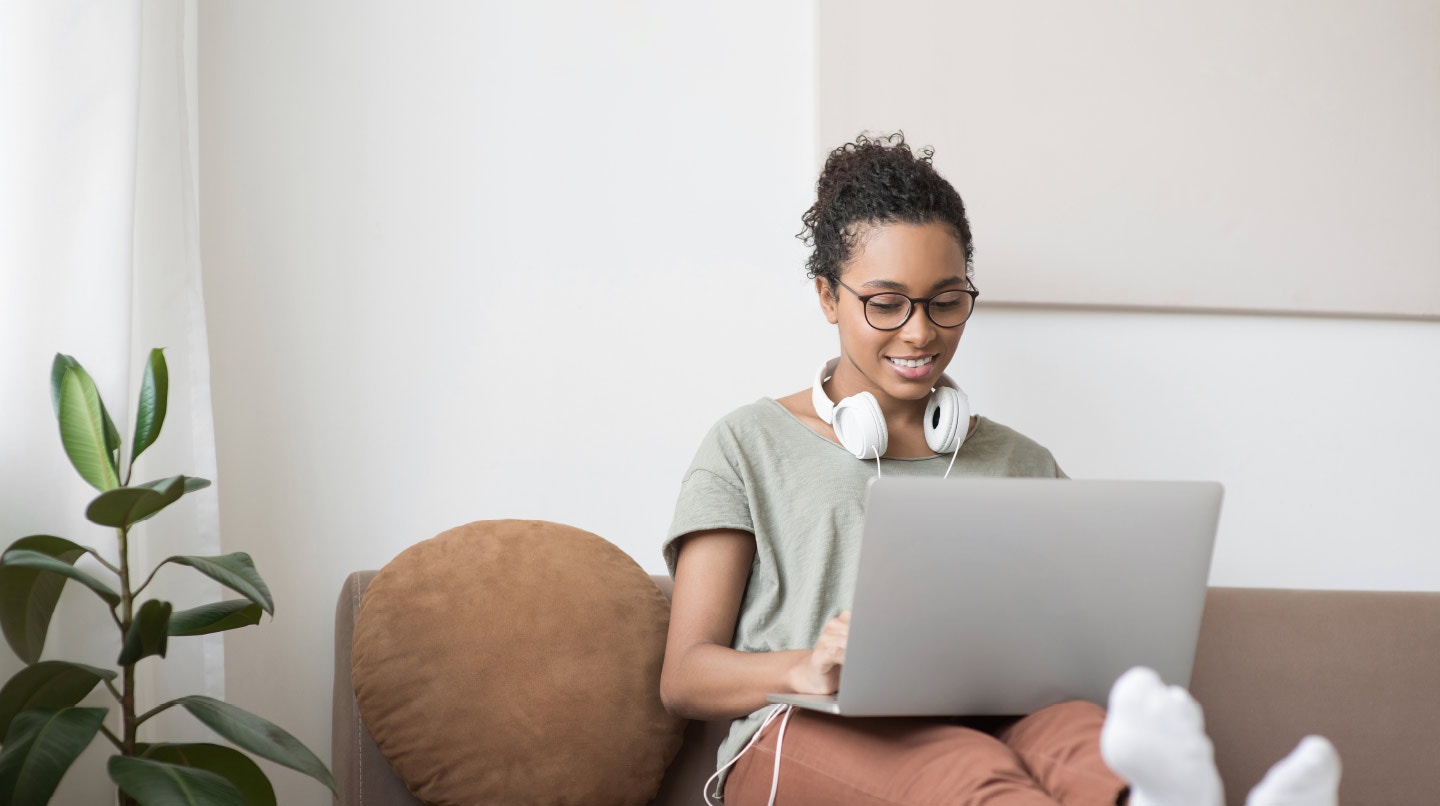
pixel 819 671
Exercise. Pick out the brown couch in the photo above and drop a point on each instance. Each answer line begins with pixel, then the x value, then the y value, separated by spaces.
pixel 1361 668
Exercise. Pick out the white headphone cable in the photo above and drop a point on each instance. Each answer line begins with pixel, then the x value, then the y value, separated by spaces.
pixel 953 454
pixel 770 717
pixel 779 741
pixel 878 474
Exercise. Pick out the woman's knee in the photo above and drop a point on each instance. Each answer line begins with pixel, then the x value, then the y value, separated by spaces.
pixel 981 774
pixel 1070 712
pixel 1060 725
pixel 962 760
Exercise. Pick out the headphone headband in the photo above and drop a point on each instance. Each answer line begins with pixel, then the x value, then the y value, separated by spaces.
pixel 825 407
pixel 860 424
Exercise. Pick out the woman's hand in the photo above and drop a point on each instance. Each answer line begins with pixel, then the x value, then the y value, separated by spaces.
pixel 818 672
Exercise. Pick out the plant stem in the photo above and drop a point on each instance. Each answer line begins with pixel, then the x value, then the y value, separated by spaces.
pixel 112 569
pixel 127 697
pixel 153 712
pixel 146 583
pixel 115 740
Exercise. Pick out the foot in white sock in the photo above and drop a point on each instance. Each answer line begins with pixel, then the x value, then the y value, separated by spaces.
pixel 1309 776
pixel 1154 738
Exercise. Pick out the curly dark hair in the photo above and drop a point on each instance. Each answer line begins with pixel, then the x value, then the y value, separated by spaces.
pixel 877 180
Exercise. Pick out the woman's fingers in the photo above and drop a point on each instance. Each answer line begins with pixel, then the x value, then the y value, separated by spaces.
pixel 830 649
pixel 828 656
pixel 835 638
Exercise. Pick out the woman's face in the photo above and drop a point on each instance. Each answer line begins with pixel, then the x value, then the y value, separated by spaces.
pixel 917 260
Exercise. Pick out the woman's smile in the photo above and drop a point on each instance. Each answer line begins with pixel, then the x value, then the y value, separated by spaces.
pixel 913 368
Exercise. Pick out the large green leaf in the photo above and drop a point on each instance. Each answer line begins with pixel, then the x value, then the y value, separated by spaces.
pixel 28 595
pixel 86 430
pixel 215 617
pixel 48 684
pixel 112 434
pixel 139 502
pixel 156 783
pixel 257 735
pixel 189 485
pixel 40 561
pixel 126 505
pixel 227 762
pixel 61 363
pixel 150 410
pixel 148 634
pixel 234 571
pixel 39 747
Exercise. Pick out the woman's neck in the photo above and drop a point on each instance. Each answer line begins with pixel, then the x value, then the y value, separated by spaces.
pixel 899 414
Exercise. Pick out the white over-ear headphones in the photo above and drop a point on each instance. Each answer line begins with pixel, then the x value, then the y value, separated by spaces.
pixel 860 425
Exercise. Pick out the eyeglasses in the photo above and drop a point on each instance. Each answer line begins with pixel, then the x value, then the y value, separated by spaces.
pixel 890 311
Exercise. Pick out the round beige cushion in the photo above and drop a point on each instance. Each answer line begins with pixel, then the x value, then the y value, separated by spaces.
pixel 516 662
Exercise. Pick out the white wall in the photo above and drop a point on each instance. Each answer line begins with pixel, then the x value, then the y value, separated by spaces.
pixel 513 261
pixel 1322 430
pixel 475 262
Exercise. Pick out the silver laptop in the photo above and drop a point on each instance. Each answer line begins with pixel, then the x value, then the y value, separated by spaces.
pixel 1003 596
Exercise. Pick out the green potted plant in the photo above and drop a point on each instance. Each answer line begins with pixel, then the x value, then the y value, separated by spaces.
pixel 43 726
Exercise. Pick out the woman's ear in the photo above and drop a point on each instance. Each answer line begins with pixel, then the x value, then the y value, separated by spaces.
pixel 827 300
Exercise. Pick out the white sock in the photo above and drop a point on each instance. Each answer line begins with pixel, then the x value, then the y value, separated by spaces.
pixel 1154 738
pixel 1309 776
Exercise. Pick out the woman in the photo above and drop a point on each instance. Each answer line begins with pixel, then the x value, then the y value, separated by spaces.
pixel 765 537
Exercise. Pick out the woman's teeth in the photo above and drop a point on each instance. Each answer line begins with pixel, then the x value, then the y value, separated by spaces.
pixel 911 362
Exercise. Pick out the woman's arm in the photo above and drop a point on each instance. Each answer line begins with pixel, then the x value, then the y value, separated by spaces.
pixel 702 677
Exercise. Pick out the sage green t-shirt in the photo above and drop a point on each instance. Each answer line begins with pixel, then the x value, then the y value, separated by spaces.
pixel 763 471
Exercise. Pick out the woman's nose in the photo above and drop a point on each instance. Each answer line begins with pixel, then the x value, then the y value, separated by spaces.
pixel 918 329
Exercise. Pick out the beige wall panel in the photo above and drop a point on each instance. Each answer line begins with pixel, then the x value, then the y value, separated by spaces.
pixel 1273 155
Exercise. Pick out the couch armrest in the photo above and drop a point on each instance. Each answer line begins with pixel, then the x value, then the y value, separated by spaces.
pixel 362 775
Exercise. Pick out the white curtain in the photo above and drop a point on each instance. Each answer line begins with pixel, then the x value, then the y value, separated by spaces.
pixel 99 259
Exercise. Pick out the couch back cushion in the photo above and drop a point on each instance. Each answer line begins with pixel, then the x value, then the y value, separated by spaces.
pixel 516 662
pixel 1357 667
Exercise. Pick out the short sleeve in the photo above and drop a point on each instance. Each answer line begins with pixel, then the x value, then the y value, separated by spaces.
pixel 712 494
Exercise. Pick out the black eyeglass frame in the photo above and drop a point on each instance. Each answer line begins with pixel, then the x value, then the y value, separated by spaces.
pixel 865 307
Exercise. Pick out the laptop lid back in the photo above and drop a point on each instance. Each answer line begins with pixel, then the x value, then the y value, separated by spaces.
pixel 1003 596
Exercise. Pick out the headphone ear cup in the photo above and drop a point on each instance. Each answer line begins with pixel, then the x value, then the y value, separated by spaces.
pixel 860 426
pixel 947 419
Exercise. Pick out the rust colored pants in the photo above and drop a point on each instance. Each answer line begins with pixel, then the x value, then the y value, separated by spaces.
pixel 1051 756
